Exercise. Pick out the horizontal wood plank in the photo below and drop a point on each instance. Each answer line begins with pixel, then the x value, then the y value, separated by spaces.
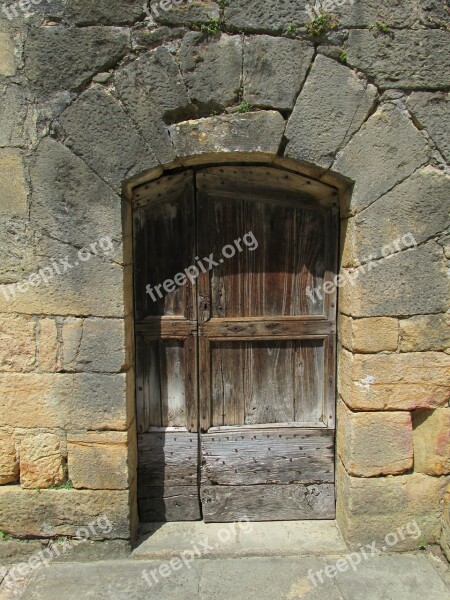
pixel 167 459
pixel 249 328
pixel 166 328
pixel 282 456
pixel 225 504
pixel 302 188
pixel 169 503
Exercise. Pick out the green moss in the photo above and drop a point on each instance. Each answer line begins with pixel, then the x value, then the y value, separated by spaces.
pixel 321 25
pixel 212 27
pixel 343 57
pixel 244 107
pixel 4 537
pixel 291 29
pixel 68 485
pixel 380 26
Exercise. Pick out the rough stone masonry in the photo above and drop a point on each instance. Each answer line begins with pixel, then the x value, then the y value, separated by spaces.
pixel 98 96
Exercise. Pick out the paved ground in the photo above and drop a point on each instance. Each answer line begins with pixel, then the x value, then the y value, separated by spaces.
pixel 227 562
pixel 400 577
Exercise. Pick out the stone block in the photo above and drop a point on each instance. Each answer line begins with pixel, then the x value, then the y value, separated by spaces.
pixel 274 70
pixel 100 461
pixel 146 110
pixel 212 68
pixel 425 333
pixel 264 16
pixel 65 401
pixel 431 112
pixel 374 443
pixel 397 149
pixel 432 441
pixel 403 59
pixel 70 202
pixel 414 211
pixel 13 188
pixel 65 513
pixel 275 18
pixel 40 461
pixel 370 509
pixel 408 283
pixel 9 464
pixel 17 344
pixel 377 334
pixel 259 133
pixel 160 71
pixel 122 151
pixel 190 13
pixel 93 345
pixel 16 249
pixel 59 58
pixel 104 12
pixel 365 13
pixel 434 10
pixel 332 106
pixel 445 536
pixel 13 108
pixel 7 60
pixel 48 345
pixel 73 286
pixel 394 381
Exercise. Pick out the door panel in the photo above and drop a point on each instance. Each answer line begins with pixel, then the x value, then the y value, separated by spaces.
pixel 247 376
pixel 235 371
pixel 225 504
pixel 166 351
pixel 266 348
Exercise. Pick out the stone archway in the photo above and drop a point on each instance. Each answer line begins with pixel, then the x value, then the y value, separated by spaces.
pixel 152 114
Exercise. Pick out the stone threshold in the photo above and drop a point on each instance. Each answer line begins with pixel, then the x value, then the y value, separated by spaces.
pixel 232 540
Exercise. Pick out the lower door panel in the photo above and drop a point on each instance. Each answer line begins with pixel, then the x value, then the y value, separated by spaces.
pixel 168 476
pixel 267 474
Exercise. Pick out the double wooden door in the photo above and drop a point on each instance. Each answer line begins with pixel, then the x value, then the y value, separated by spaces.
pixel 235 345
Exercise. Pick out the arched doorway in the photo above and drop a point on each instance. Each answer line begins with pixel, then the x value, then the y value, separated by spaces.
pixel 235 322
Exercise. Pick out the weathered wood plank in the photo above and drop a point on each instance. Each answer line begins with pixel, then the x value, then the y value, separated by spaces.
pixel 250 457
pixel 223 504
pixel 260 327
pixel 169 458
pixel 148 397
pixel 309 380
pixel 163 327
pixel 165 503
pixel 164 245
pixel 173 396
pixel 304 188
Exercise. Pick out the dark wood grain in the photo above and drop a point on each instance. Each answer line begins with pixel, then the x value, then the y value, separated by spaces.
pixel 222 504
pixel 169 503
pixel 250 457
pixel 167 458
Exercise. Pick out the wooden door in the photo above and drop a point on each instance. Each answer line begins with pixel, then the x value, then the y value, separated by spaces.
pixel 262 342
pixel 166 350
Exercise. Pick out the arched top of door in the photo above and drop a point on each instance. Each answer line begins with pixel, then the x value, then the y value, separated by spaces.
pixel 247 176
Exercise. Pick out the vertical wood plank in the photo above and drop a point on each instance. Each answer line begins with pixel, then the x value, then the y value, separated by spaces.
pixel 309 380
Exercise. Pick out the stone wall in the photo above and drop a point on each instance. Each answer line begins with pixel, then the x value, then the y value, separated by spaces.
pixel 96 97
